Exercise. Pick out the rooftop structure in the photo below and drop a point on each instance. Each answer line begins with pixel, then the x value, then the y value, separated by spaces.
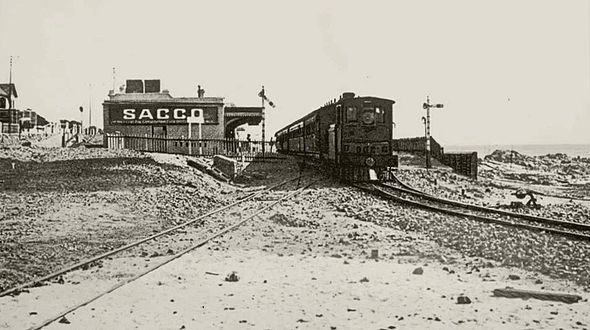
pixel 140 108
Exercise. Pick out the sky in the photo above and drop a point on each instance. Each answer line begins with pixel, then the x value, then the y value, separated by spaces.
pixel 507 72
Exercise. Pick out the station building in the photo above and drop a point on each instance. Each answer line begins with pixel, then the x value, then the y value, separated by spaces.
pixel 141 109
pixel 13 120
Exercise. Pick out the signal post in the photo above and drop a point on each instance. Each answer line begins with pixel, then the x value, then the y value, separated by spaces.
pixel 427 107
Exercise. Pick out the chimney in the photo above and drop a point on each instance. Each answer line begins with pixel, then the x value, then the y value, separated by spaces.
pixel 134 86
pixel 347 95
pixel 152 86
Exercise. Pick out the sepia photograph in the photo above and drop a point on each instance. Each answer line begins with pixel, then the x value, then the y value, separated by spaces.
pixel 191 164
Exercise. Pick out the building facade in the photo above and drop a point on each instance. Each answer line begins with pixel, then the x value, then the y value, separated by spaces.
pixel 8 114
pixel 140 111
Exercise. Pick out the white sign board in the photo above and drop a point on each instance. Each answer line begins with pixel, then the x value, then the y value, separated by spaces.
pixel 194 120
pixel 196 117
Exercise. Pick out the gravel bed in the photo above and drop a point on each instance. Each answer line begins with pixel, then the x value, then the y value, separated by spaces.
pixel 485 192
pixel 59 206
pixel 544 253
pixel 62 205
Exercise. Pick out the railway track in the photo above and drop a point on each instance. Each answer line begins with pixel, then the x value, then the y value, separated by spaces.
pixel 267 203
pixel 264 200
pixel 89 261
pixel 407 195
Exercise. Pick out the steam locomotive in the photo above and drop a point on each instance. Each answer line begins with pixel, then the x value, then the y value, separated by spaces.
pixel 351 136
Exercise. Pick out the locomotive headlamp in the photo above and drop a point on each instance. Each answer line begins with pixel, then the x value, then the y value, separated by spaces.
pixel 370 161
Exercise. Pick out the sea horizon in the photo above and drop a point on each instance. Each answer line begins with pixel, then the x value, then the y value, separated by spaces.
pixel 572 150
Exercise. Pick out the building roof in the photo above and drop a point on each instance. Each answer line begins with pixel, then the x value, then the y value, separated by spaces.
pixel 5 90
pixel 163 97
pixel 41 121
pixel 243 112
pixel 236 116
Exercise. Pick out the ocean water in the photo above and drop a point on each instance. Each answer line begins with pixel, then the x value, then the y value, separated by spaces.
pixel 572 150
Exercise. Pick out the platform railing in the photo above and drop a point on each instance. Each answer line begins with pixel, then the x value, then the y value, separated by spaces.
pixel 237 149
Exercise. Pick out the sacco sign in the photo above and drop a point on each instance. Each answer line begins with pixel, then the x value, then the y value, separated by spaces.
pixel 162 115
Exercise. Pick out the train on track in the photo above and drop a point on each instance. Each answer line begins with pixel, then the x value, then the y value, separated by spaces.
pixel 351 136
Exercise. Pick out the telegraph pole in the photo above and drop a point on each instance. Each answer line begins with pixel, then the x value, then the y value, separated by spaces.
pixel 427 107
pixel 263 135
pixel 80 133
pixel 114 91
pixel 89 106
pixel 10 99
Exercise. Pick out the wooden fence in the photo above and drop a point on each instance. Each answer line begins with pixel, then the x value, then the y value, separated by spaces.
pixel 418 145
pixel 462 163
pixel 249 151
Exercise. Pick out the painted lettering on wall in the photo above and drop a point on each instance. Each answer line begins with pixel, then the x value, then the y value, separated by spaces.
pixel 161 115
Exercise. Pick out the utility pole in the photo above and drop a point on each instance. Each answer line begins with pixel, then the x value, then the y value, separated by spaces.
pixel 80 133
pixel 427 107
pixel 10 99
pixel 263 135
pixel 89 106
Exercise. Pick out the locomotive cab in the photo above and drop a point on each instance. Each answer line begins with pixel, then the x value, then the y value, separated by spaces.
pixel 366 134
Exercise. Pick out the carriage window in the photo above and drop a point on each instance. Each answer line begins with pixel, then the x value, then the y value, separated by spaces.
pixel 351 114
pixel 368 116
pixel 379 115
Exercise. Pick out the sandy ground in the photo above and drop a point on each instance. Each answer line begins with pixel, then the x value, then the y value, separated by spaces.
pixel 302 272
pixel 306 264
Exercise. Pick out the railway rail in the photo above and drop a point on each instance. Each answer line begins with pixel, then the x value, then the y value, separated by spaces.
pixel 267 203
pixel 407 195
pixel 89 261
